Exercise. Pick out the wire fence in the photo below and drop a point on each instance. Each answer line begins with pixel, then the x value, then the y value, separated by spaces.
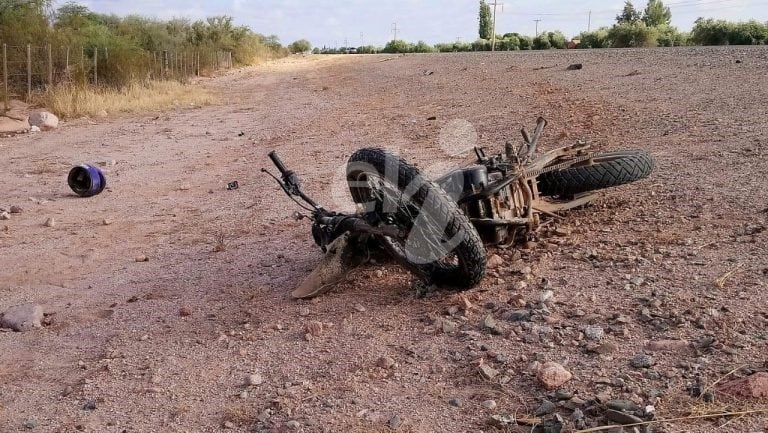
pixel 28 69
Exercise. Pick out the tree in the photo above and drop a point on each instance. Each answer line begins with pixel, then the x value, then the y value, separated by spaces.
pixel 656 14
pixel 629 14
pixel 486 24
pixel 541 42
pixel 300 46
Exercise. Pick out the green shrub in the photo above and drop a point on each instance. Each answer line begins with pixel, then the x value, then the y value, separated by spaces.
pixel 557 39
pixel 398 46
pixel 633 35
pixel 526 42
pixel 542 42
pixel 511 43
pixel 595 39
pixel 423 47
pixel 481 45
pixel 300 46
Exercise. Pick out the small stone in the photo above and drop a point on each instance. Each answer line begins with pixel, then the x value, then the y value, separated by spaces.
pixel 359 308
pixel 562 394
pixel 642 361
pixel 304 312
pixel 502 421
pixel 488 372
pixel 622 405
pixel 546 296
pixel 185 311
pixel 315 328
pixel 34 128
pixel 378 273
pixel 677 346
pixel 753 387
pixel 141 259
pixel 594 333
pixel 489 322
pixel 50 222
pixel 30 423
pixel 144 337
pixel 229 425
pixel 395 422
pixel 622 418
pixel 553 375
pixel 455 402
pixel 43 120
pixel 489 404
pixel 517 315
pixel 494 261
pixel 293 424
pixel 89 405
pixel 244 395
pixel 255 379
pixel 449 327
pixel 22 318
pixel 106 222
pixel 386 362
pixel 16 209
pixel 546 408
pixel 5 216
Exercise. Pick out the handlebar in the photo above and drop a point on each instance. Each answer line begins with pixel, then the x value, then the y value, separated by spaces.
pixel 278 163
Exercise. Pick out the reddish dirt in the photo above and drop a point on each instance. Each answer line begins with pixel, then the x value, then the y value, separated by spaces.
pixel 165 345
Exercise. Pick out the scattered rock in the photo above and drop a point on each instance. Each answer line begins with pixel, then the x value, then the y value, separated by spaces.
pixel 13 126
pixel 359 308
pixel 22 318
pixel 229 425
pixel 293 424
pixel 455 402
pixel 603 349
pixel 141 259
pixel 315 328
pixel 386 362
pixel 30 424
pixel 449 327
pixel 502 421
pixel 489 322
pixel 378 273
pixel 395 422
pixel 106 222
pixel 575 67
pixel 669 346
pixel 5 216
pixel 89 405
pixel 546 408
pixel 495 261
pixel 488 372
pixel 489 404
pixel 185 311
pixel 546 296
pixel 50 222
pixel 622 418
pixel 255 379
pixel 34 129
pixel 102 114
pixel 43 120
pixel 754 386
pixel 622 405
pixel 594 333
pixel 517 315
pixel 642 361
pixel 553 375
pixel 16 209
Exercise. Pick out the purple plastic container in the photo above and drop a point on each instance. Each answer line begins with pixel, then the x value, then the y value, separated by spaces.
pixel 86 180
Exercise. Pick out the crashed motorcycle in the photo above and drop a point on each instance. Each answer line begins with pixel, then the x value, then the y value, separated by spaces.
pixel 438 230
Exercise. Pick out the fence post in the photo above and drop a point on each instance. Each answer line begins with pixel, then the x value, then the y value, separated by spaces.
pixel 197 70
pixel 5 77
pixel 29 72
pixel 67 67
pixel 50 66
pixel 96 66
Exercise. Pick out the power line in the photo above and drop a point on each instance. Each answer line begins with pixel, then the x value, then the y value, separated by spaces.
pixel 537 26
pixel 394 30
pixel 678 5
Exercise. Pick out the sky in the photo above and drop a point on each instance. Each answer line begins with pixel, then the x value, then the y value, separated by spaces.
pixel 363 22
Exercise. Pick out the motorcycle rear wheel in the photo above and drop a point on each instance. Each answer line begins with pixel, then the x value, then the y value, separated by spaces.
pixel 607 170
pixel 438 241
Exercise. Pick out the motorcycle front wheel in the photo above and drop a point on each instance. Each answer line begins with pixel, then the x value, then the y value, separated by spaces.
pixel 437 241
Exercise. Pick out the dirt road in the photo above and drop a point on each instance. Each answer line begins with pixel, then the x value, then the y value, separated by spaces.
pixel 120 353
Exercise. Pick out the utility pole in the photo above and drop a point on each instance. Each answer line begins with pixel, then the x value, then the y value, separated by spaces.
pixel 589 22
pixel 394 30
pixel 537 27
pixel 493 37
pixel 362 40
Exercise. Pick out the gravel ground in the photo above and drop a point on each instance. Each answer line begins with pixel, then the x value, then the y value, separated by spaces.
pixel 194 340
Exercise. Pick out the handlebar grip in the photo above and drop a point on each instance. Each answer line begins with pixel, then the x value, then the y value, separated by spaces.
pixel 278 163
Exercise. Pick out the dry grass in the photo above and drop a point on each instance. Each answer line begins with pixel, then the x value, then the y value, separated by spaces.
pixel 77 101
